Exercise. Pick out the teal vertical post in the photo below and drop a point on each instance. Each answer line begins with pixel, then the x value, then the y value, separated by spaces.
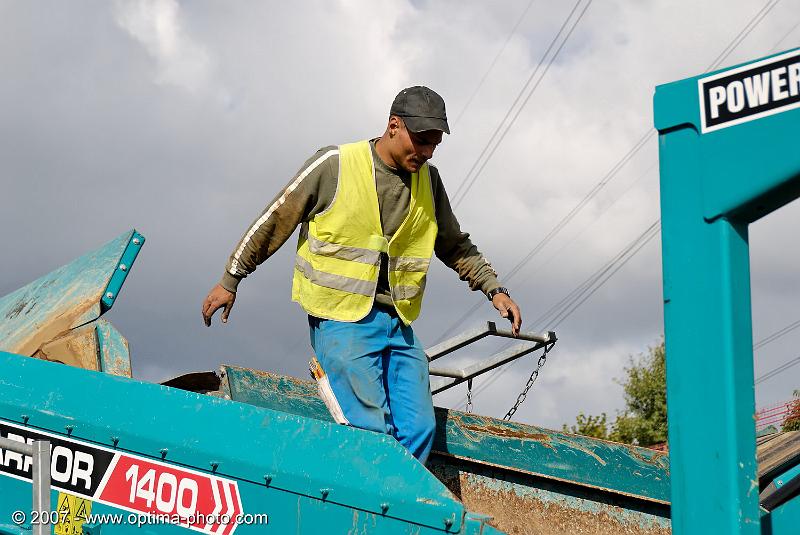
pixel 710 391
pixel 728 157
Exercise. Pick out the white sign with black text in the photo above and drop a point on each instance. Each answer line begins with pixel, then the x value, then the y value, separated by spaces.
pixel 750 92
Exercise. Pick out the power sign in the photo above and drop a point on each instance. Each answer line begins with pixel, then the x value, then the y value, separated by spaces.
pixel 746 93
pixel 195 500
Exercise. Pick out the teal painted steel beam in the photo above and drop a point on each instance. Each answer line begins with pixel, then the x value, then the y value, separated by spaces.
pixel 782 521
pixel 118 276
pixel 596 464
pixel 308 475
pixel 728 156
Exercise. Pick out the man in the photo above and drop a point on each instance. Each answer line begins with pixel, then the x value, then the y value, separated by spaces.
pixel 372 214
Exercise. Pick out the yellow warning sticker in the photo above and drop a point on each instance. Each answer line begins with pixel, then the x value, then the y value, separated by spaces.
pixel 72 513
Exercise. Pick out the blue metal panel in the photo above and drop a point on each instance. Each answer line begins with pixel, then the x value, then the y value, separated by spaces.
pixel 321 477
pixel 65 298
pixel 599 464
pixel 714 182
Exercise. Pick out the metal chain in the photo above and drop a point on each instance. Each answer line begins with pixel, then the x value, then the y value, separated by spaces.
pixel 529 384
pixel 469 395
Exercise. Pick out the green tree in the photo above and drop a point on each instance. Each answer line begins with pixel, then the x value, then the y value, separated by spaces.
pixel 590 426
pixel 792 421
pixel 644 419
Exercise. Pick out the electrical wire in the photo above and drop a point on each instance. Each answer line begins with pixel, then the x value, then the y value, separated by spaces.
pixel 777 334
pixel 611 174
pixel 650 234
pixel 777 371
pixel 782 39
pixel 742 35
pixel 738 39
pixel 491 66
pixel 726 52
pixel 468 182
pixel 562 310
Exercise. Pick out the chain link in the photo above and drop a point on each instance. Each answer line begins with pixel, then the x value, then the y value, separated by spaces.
pixel 532 379
pixel 469 395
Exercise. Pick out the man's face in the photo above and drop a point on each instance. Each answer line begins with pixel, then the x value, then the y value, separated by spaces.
pixel 414 148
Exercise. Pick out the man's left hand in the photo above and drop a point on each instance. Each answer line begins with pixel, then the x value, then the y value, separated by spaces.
pixel 508 309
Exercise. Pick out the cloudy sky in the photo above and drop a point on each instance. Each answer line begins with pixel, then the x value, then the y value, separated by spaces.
pixel 184 119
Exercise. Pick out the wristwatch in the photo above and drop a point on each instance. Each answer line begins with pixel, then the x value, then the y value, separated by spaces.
pixel 496 291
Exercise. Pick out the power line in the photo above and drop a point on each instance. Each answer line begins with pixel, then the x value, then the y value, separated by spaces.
pixel 491 66
pixel 742 35
pixel 554 311
pixel 754 21
pixel 726 52
pixel 782 39
pixel 779 370
pixel 513 104
pixel 651 233
pixel 468 182
pixel 615 169
pixel 562 310
pixel 777 334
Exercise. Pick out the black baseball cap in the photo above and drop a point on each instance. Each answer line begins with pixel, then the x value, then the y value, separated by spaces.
pixel 421 108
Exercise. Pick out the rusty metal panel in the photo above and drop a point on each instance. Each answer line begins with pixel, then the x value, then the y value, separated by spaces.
pixel 277 392
pixel 605 466
pixel 600 464
pixel 69 297
pixel 113 350
pixel 520 504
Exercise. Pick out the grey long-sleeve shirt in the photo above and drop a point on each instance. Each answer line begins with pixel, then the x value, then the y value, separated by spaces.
pixel 312 190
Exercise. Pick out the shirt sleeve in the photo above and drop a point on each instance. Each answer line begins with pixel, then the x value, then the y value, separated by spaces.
pixel 309 192
pixel 453 246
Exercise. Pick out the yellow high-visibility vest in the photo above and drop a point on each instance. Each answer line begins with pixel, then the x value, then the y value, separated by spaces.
pixel 339 250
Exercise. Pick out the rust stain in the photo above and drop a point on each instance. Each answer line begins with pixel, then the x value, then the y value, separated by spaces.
pixel 288 387
pixel 505 431
pixel 518 515
pixel 655 459
pixel 580 447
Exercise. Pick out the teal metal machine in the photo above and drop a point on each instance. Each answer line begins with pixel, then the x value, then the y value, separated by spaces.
pixel 729 155
pixel 206 448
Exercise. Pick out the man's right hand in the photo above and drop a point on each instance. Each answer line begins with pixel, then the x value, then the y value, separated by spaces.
pixel 218 298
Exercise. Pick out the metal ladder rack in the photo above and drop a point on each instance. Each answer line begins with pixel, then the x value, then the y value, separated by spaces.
pixel 450 376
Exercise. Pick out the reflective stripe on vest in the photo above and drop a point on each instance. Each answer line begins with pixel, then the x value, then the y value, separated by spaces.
pixel 339 250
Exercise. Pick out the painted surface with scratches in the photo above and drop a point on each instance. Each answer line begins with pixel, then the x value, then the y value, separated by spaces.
pixel 524 477
pixel 68 297
pixel 308 475
pixel 596 463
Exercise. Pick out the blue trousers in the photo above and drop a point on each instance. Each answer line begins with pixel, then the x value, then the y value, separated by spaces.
pixel 378 374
